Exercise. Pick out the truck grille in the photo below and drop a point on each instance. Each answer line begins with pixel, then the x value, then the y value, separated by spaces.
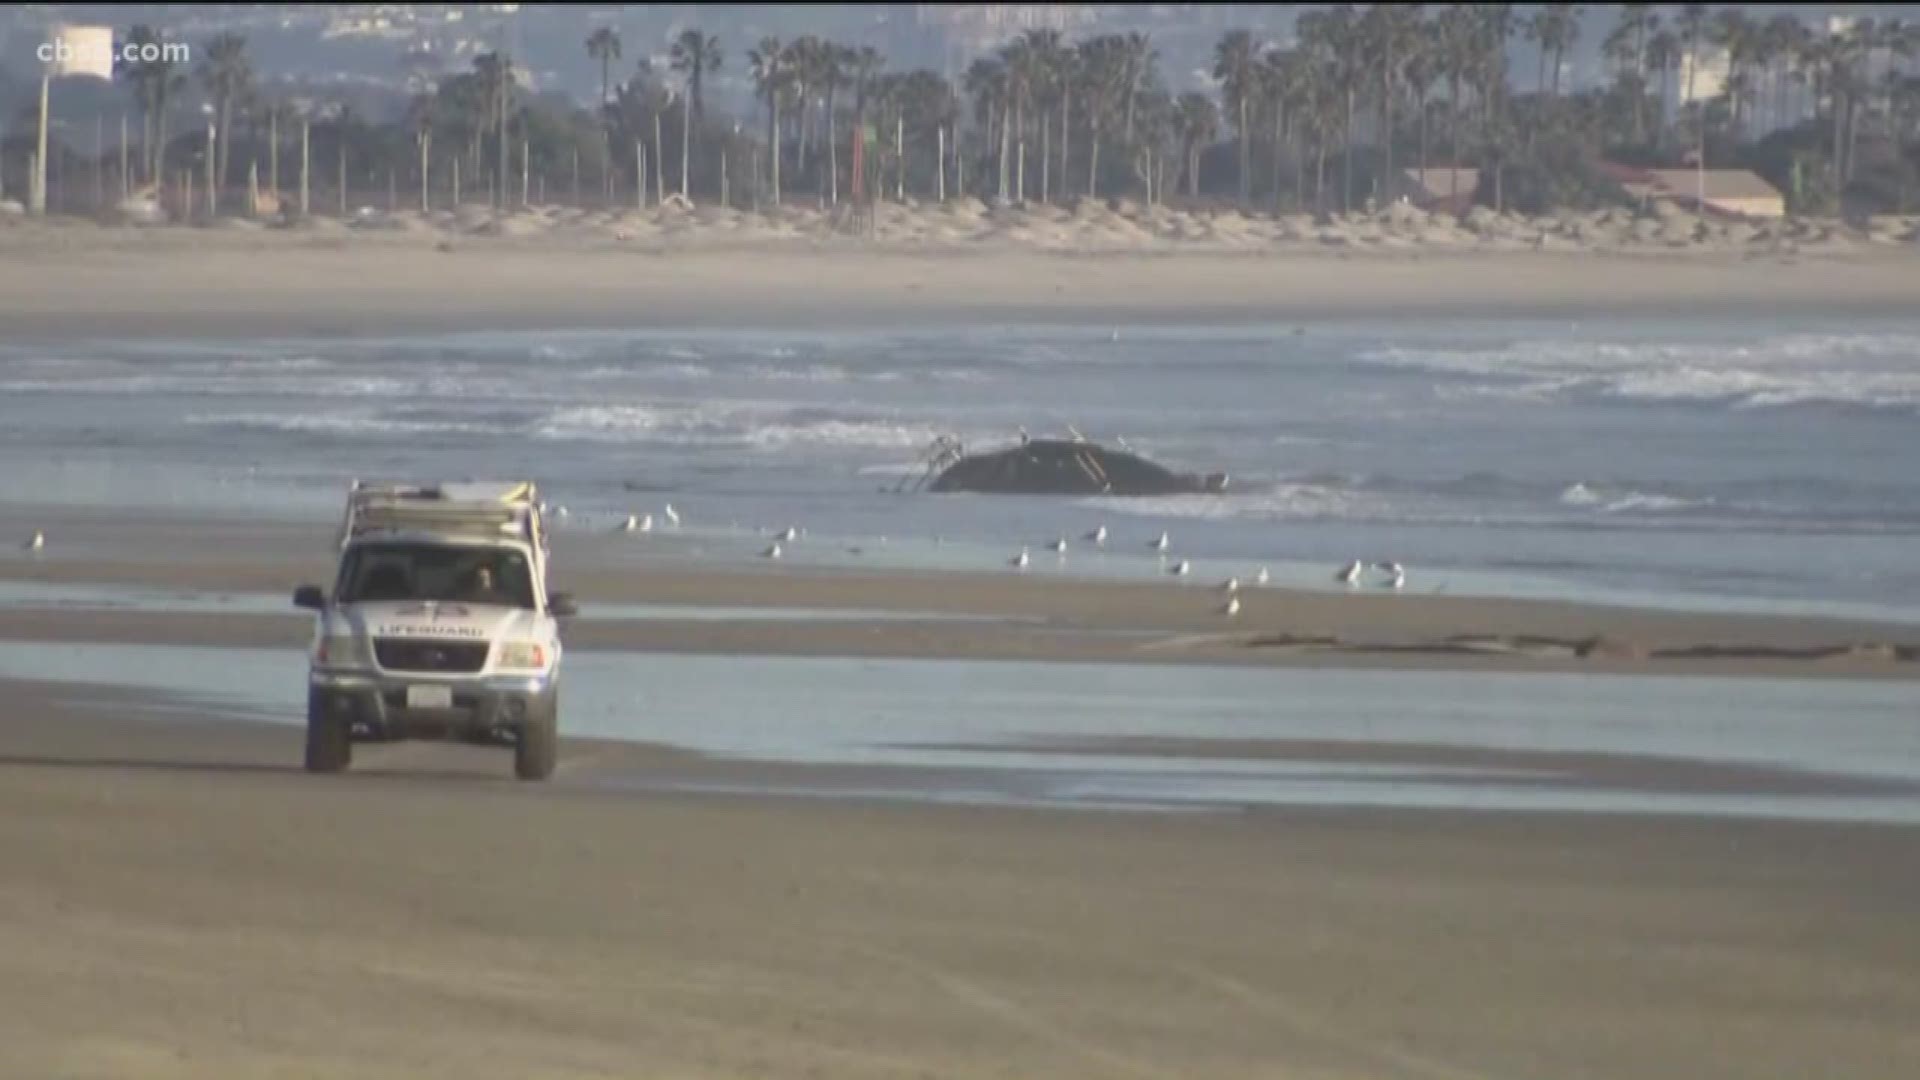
pixel 397 654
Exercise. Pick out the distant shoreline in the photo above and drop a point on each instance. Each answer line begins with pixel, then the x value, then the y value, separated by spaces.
pixel 59 283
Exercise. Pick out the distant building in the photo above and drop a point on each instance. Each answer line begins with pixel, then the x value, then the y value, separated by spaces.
pixel 1728 192
pixel 1444 188
pixel 1707 73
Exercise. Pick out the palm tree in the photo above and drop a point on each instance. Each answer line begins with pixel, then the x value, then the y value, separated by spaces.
pixel 1496 26
pixel 1421 72
pixel 421 117
pixel 1101 68
pixel 603 45
pixel 1457 35
pixel 768 63
pixel 1024 71
pixel 986 84
pixel 154 81
pixel 1235 61
pixel 1388 36
pixel 495 72
pixel 1137 60
pixel 1738 36
pixel 1333 37
pixel 1693 26
pixel 926 103
pixel 832 75
pixel 1663 55
pixel 1554 28
pixel 1626 47
pixel 694 54
pixel 225 76
pixel 1046 55
pixel 1155 135
pixel 1197 122
pixel 805 57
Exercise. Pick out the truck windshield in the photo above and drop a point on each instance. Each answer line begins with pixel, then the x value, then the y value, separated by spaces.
pixel 379 571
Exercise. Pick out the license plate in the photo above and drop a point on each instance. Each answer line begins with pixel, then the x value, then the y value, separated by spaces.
pixel 429 697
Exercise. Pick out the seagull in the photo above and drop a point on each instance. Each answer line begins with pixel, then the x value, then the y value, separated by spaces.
pixel 673 516
pixel 1231 585
pixel 1161 544
pixel 790 535
pixel 39 541
pixel 1398 572
pixel 631 524
pixel 1019 562
pixel 1261 577
pixel 1181 568
pixel 1059 546
pixel 772 552
pixel 1348 574
pixel 646 522
pixel 1098 536
pixel 1231 607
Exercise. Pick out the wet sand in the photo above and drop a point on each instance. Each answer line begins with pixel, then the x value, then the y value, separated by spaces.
pixel 1031 616
pixel 180 902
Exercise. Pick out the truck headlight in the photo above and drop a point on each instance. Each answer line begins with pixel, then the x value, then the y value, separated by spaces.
pixel 339 650
pixel 523 655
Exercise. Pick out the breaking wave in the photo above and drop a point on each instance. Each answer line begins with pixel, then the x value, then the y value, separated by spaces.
pixel 1877 371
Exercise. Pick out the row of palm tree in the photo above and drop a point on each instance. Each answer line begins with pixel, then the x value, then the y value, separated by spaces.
pixel 1043 118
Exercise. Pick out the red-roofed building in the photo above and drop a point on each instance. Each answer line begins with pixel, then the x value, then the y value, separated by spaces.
pixel 1724 192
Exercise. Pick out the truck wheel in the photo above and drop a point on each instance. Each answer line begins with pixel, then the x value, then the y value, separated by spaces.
pixel 329 737
pixel 538 750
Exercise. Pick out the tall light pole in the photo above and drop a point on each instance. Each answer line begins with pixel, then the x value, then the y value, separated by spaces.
pixel 37 186
pixel 213 188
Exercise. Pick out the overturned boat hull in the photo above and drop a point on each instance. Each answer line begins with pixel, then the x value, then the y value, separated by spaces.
pixel 1060 467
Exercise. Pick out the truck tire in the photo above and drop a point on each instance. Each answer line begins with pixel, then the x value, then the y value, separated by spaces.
pixel 538 749
pixel 329 737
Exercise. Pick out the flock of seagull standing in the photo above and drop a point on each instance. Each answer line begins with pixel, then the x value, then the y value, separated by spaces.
pixel 1349 575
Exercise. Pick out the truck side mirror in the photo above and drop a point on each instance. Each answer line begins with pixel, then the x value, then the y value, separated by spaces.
pixel 562 605
pixel 309 596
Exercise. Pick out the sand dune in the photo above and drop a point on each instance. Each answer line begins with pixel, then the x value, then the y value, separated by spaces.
pixel 1112 225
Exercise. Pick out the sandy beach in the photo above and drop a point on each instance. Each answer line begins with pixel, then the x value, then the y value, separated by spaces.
pixel 181 903
pixel 79 279
pixel 181 900
pixel 1011 616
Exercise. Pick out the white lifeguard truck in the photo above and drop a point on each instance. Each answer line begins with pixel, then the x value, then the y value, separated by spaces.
pixel 439 625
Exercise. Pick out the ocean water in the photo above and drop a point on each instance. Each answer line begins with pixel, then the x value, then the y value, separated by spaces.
pixel 1713 463
pixel 963 731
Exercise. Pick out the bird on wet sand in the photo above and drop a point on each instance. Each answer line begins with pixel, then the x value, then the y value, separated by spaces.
pixel 1181 568
pixel 1161 544
pixel 1261 577
pixel 1397 574
pixel 1098 536
pixel 1349 573
pixel 673 516
pixel 1231 607
pixel 772 552
pixel 38 542
pixel 1059 546
pixel 1231 585
pixel 1020 561
pixel 789 535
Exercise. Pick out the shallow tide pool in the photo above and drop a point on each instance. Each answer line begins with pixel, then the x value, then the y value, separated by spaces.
pixel 963 727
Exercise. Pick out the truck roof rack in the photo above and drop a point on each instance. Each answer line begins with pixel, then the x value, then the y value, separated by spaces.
pixel 477 509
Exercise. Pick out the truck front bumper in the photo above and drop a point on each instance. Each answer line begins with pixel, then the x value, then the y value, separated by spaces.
pixel 486 709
